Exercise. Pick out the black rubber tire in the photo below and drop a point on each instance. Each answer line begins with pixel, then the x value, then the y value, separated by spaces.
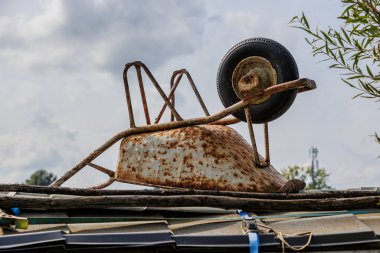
pixel 282 61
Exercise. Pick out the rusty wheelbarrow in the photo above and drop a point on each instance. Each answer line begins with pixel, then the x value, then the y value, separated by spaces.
pixel 257 82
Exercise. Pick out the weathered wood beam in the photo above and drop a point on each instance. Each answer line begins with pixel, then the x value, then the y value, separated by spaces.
pixel 249 204
pixel 169 192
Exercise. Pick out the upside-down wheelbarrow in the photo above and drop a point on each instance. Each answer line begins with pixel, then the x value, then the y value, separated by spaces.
pixel 257 82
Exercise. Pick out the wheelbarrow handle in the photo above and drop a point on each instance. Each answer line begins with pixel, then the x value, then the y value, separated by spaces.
pixel 303 84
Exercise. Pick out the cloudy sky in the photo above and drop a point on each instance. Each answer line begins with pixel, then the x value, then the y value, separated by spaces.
pixel 62 95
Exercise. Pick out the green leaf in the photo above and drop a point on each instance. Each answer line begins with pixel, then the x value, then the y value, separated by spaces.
pixel 328 38
pixel 355 62
pixel 294 19
pixel 347 10
pixel 332 54
pixel 346 35
pixel 334 66
pixel 369 71
pixel 369 88
pixel 358 95
pixel 327 59
pixel 355 77
pixel 357 44
pixel 354 28
pixel 305 20
pixel 339 39
pixel 341 57
pixel 350 84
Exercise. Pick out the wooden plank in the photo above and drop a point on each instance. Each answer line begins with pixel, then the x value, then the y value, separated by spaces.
pixel 249 204
pixel 170 192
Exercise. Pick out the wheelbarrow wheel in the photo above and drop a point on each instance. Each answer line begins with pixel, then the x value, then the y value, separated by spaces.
pixel 268 56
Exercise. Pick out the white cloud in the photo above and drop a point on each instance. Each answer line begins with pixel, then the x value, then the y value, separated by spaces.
pixel 43 145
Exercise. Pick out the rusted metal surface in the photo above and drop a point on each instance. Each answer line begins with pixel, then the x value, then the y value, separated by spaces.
pixel 103 185
pixel 169 101
pixel 200 157
pixel 252 75
pixel 266 142
pixel 301 84
pixel 172 89
pixel 142 92
pixel 249 84
pixel 225 122
pixel 255 153
pixel 174 82
pixel 292 186
pixel 110 173
pixel 138 66
pixel 256 158
pixel 196 92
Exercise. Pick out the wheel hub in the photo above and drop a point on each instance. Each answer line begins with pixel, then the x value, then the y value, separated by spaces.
pixel 252 75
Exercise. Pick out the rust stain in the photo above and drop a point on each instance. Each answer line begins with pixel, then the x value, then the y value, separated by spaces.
pixel 210 157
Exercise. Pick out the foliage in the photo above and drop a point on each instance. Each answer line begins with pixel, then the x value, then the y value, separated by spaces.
pixel 354 47
pixel 41 177
pixel 304 174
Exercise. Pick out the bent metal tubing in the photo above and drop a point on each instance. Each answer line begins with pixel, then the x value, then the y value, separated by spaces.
pixel 300 84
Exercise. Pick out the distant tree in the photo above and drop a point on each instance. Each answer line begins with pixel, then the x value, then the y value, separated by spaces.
pixel 354 47
pixel 304 174
pixel 41 177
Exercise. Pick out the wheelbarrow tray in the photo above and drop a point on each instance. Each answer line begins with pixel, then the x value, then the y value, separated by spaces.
pixel 208 157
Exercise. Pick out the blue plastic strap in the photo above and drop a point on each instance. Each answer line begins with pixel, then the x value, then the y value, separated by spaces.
pixel 244 215
pixel 16 211
pixel 253 242
pixel 252 236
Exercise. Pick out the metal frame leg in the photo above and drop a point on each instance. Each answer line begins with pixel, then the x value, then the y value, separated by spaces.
pixel 256 156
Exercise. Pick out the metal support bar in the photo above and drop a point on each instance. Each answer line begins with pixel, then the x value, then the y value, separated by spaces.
pixel 103 185
pixel 266 139
pixel 102 169
pixel 129 101
pixel 200 100
pixel 225 122
pixel 173 97
pixel 138 65
pixel 159 89
pixel 142 92
pixel 303 84
pixel 256 158
pixel 173 87
pixel 174 81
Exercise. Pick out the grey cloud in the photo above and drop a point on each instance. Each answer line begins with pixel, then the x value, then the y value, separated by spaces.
pixel 105 34
pixel 11 7
pixel 44 121
pixel 50 148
